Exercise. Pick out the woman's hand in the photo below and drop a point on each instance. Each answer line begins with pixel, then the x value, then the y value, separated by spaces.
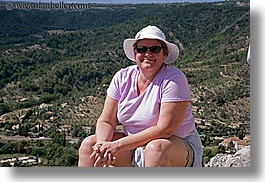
pixel 104 154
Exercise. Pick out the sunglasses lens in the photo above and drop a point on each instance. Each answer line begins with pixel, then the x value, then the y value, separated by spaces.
pixel 153 49
pixel 142 49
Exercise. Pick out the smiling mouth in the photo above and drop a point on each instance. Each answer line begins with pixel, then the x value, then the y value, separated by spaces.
pixel 148 60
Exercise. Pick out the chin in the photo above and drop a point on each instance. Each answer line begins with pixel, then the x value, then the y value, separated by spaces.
pixel 147 65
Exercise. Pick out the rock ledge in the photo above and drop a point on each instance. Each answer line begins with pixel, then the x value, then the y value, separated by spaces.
pixel 240 159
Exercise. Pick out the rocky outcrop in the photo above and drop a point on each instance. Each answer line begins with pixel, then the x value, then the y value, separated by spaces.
pixel 240 159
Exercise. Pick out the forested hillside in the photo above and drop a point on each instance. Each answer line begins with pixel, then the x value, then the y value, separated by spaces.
pixel 57 64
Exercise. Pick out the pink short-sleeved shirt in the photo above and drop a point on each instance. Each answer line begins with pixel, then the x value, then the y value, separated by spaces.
pixel 137 113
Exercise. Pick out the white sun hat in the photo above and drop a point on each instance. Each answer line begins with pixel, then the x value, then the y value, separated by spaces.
pixel 151 32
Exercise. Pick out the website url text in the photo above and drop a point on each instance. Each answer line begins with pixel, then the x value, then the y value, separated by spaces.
pixel 50 5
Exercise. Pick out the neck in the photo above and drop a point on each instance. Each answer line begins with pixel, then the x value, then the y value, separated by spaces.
pixel 144 80
pixel 146 76
pixel 142 83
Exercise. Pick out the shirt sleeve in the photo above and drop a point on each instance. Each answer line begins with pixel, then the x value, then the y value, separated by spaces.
pixel 176 88
pixel 114 88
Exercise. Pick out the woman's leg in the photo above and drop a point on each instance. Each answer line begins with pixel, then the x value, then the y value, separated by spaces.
pixel 172 152
pixel 123 159
pixel 85 151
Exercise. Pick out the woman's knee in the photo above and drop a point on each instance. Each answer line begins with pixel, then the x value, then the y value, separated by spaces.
pixel 155 154
pixel 172 152
pixel 87 144
pixel 154 146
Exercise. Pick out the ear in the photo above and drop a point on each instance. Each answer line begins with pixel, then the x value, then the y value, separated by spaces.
pixel 165 54
pixel 134 50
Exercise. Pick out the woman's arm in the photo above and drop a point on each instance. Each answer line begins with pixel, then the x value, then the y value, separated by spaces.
pixel 171 116
pixel 105 127
pixel 107 121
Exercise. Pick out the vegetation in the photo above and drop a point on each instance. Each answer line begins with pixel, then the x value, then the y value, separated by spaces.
pixel 55 70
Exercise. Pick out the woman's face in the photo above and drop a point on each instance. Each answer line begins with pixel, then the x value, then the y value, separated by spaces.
pixel 149 60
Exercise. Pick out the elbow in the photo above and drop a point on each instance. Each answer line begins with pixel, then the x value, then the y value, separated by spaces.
pixel 101 123
pixel 166 132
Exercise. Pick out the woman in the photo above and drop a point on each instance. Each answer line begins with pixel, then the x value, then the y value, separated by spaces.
pixel 152 101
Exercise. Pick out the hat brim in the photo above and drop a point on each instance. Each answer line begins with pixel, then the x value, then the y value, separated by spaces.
pixel 173 51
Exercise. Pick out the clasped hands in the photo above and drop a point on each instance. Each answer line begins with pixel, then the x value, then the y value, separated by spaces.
pixel 104 154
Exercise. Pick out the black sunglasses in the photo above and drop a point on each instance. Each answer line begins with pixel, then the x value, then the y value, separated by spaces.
pixel 152 49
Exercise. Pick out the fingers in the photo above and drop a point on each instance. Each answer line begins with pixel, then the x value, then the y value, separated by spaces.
pixel 95 149
pixel 111 160
pixel 102 158
pixel 105 156
pixel 105 160
pixel 102 155
pixel 98 162
pixel 93 155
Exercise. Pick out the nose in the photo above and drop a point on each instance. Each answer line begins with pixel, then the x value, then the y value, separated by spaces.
pixel 148 52
pixel 149 55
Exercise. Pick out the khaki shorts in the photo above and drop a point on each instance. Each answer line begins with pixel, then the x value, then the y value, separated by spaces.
pixel 194 155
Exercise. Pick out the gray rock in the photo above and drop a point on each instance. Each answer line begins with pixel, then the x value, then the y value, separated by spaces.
pixel 240 159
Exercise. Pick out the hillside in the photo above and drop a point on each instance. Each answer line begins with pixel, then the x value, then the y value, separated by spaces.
pixel 55 68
